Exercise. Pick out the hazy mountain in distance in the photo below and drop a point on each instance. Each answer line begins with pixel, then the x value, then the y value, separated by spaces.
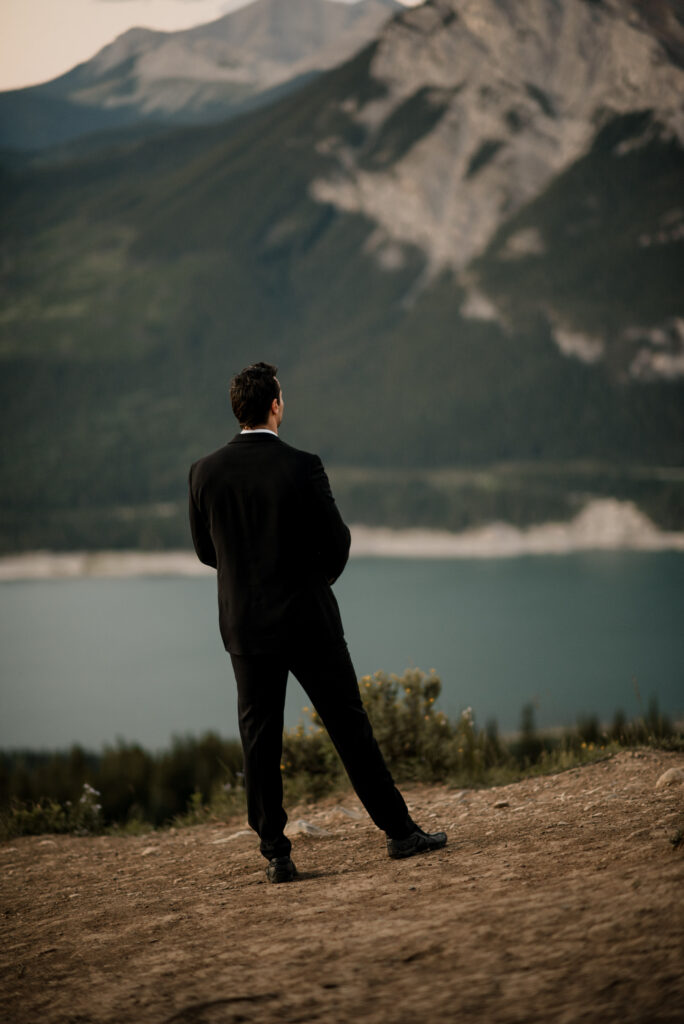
pixel 463 247
pixel 206 73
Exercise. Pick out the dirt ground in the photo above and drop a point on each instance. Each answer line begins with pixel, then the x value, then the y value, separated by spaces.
pixel 556 899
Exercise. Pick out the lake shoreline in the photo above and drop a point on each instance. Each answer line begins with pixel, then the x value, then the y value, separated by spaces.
pixel 602 525
pixel 139 656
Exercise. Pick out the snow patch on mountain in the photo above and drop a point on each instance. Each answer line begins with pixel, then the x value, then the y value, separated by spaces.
pixel 578 344
pixel 660 352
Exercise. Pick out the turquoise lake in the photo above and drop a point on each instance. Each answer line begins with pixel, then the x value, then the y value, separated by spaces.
pixel 92 660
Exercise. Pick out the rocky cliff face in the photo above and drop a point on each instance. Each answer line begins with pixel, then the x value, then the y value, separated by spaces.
pixel 491 131
pixel 482 103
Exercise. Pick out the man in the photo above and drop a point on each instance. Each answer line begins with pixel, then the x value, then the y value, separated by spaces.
pixel 263 515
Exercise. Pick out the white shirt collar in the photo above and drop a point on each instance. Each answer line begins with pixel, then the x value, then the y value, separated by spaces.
pixel 258 430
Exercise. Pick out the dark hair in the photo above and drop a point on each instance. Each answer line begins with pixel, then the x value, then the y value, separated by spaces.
pixel 252 392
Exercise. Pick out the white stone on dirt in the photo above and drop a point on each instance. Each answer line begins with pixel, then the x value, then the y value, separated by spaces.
pixel 301 826
pixel 672 777
pixel 349 812
pixel 233 835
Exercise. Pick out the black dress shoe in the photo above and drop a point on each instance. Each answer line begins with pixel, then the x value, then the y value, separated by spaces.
pixel 281 869
pixel 417 842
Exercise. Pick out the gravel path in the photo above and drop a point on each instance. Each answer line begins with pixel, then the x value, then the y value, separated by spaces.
pixel 557 899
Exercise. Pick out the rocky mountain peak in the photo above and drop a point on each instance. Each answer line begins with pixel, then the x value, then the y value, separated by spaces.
pixel 483 102
pixel 206 73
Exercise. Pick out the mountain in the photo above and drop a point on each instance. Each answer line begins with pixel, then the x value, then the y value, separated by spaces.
pixel 238 62
pixel 475 126
pixel 463 248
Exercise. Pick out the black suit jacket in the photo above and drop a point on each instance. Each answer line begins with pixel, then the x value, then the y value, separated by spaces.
pixel 262 513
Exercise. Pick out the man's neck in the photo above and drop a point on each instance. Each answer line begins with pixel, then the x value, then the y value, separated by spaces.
pixel 260 430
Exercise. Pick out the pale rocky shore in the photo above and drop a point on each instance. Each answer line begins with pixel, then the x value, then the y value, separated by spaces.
pixel 602 525
pixel 556 900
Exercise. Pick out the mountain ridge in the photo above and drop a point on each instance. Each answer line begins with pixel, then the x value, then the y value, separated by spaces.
pixel 196 75
pixel 138 278
pixel 580 64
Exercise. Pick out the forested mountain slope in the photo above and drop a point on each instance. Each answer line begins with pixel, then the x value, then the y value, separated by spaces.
pixel 463 265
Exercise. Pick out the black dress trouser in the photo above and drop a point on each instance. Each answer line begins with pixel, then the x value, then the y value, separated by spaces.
pixel 329 679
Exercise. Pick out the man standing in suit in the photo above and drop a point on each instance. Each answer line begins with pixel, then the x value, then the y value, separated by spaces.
pixel 263 515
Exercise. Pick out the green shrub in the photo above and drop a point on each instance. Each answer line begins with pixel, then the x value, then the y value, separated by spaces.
pixel 84 817
pixel 200 780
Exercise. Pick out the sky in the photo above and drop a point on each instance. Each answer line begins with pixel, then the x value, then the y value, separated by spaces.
pixel 40 39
